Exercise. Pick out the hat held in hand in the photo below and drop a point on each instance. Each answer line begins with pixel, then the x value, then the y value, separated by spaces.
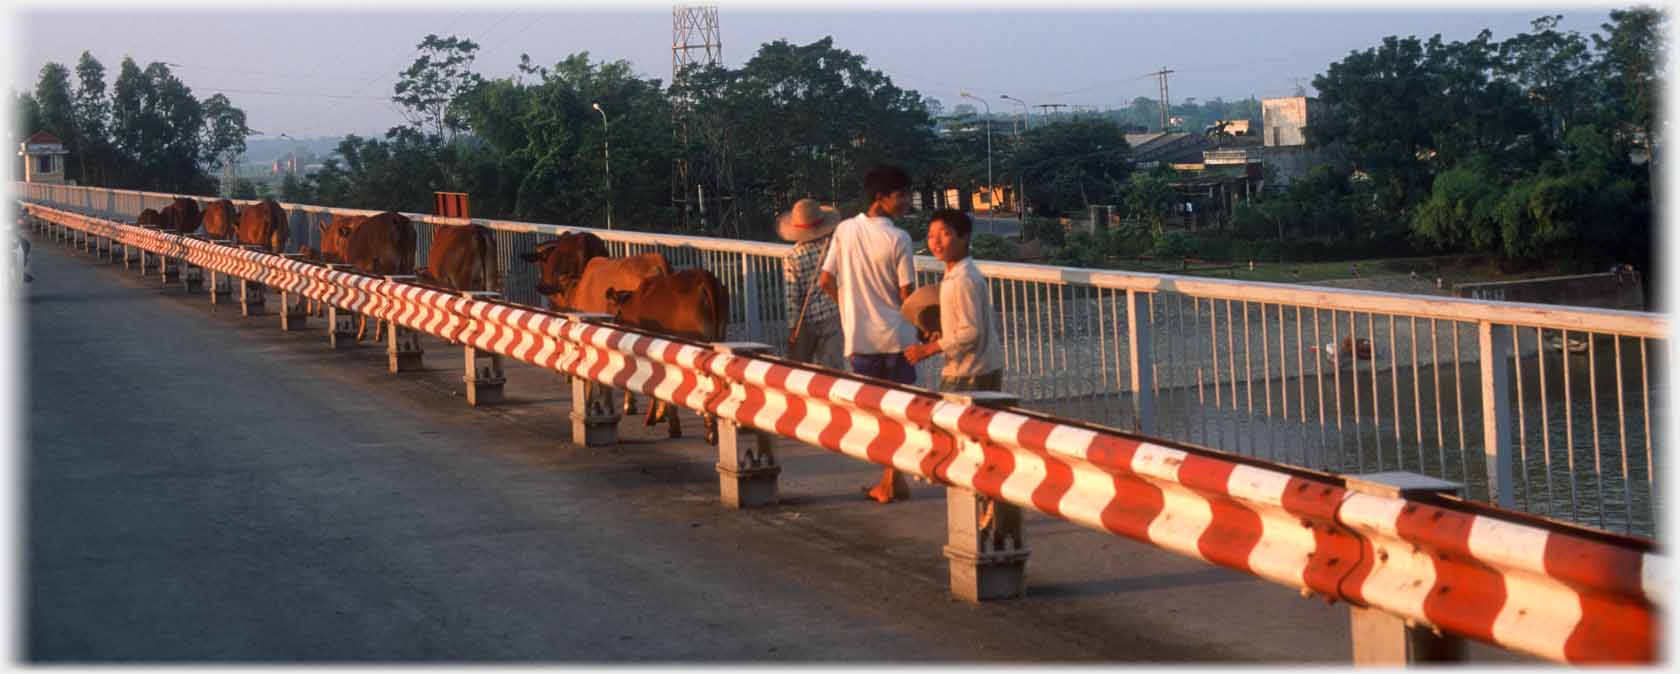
pixel 921 308
pixel 807 220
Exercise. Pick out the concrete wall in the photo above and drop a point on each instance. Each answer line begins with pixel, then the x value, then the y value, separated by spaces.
pixel 1604 291
pixel 1290 163
pixel 1284 120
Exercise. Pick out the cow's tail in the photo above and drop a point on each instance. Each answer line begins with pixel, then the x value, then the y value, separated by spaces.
pixel 487 246
pixel 407 244
pixel 280 229
pixel 719 297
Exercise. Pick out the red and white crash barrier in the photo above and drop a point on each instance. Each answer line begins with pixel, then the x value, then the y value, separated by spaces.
pixel 1551 590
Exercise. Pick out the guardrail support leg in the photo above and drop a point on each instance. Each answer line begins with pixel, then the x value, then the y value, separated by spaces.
pixel 402 345
pixel 342 327
pixel 146 255
pixel 1497 412
pixel 294 308
pixel 594 415
pixel 192 275
pixel 747 466
pixel 220 285
pixel 986 543
pixel 168 270
pixel 1382 639
pixel 483 375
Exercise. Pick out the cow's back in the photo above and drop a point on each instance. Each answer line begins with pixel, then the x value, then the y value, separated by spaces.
pixel 606 273
pixel 220 219
pixel 382 244
pixel 264 224
pixel 463 257
pixel 692 304
pixel 181 215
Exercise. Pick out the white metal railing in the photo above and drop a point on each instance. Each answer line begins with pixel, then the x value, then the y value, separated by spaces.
pixel 1554 410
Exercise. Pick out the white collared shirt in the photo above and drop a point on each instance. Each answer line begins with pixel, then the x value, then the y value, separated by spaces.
pixel 967 324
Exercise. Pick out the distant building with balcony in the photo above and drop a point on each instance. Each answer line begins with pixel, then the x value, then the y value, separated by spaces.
pixel 43 158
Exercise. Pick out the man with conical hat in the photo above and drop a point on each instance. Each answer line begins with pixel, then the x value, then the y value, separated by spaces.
pixel 813 318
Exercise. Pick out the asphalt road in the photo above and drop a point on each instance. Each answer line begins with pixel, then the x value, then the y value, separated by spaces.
pixel 203 487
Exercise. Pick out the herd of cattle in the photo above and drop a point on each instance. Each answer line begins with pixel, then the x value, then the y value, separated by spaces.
pixel 575 272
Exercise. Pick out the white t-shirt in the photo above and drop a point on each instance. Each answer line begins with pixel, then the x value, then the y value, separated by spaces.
pixel 870 258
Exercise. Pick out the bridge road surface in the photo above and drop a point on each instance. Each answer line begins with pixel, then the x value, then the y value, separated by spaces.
pixel 203 487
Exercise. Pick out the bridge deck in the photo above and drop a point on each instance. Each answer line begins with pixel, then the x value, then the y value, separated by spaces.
pixel 203 486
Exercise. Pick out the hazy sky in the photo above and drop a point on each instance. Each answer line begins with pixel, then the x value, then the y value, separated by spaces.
pixel 319 71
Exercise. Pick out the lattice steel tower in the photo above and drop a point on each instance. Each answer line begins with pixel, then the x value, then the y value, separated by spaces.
pixel 702 184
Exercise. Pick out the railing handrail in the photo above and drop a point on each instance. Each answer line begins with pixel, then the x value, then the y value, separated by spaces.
pixel 1569 595
pixel 1525 314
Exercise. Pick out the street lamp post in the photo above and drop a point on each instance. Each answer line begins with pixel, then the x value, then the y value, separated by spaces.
pixel 989 182
pixel 1021 181
pixel 606 157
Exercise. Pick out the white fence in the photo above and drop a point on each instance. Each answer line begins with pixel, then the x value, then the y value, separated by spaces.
pixel 1553 410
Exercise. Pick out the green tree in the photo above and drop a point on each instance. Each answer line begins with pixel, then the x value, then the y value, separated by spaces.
pixel 1149 200
pixel 1069 165
pixel 439 76
pixel 58 111
pixel 540 154
pixel 808 120
pixel 1633 51
pixel 93 115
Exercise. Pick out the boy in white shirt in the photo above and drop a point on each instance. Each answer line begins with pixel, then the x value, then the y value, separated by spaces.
pixel 868 272
pixel 968 333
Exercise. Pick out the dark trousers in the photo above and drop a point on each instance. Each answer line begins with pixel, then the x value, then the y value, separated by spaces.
pixel 990 381
pixel 889 366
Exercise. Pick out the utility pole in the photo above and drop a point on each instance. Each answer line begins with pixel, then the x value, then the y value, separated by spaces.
pixel 696 38
pixel 1166 103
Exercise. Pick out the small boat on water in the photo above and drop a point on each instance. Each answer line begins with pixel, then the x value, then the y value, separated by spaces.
pixel 1350 351
pixel 1577 344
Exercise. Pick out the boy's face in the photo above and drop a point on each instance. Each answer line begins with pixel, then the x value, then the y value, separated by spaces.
pixel 894 204
pixel 944 243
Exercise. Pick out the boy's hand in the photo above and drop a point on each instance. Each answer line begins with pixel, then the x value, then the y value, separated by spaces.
pixel 917 353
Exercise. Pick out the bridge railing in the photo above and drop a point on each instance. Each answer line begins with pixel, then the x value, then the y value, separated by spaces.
pixel 1553 410
pixel 1467 569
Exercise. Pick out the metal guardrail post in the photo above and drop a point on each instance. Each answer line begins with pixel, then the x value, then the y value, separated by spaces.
pixel 1140 334
pixel 192 276
pixel 145 255
pixel 341 323
pixel 483 377
pixel 985 540
pixel 1382 639
pixel 402 345
pixel 1497 413
pixel 747 466
pixel 251 299
pixel 220 286
pixel 294 308
pixel 169 270
pixel 594 416
pixel 749 297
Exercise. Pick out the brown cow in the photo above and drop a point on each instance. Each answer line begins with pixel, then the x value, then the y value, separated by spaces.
pixel 463 257
pixel 691 304
pixel 332 237
pixel 588 291
pixel 565 257
pixel 220 219
pixel 379 245
pixel 264 224
pixel 180 216
pixel 150 217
